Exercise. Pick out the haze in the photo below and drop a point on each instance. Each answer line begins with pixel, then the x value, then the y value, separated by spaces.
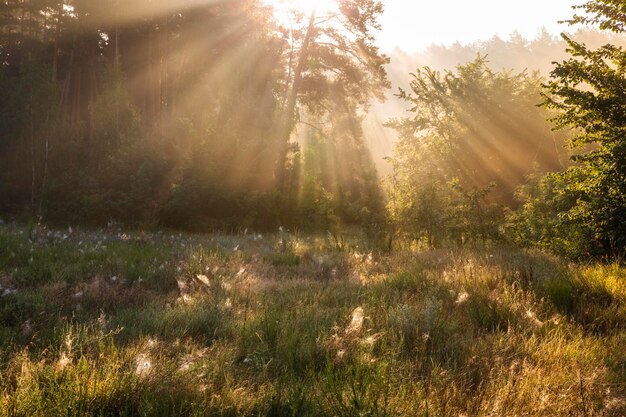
pixel 413 25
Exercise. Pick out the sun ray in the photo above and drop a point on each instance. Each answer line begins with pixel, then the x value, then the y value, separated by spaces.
pixel 285 10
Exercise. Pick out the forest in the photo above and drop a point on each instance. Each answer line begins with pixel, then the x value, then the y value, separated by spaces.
pixel 250 208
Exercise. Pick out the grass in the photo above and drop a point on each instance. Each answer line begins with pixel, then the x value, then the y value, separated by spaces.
pixel 101 323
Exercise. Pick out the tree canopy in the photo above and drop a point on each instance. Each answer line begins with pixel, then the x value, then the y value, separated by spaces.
pixel 588 92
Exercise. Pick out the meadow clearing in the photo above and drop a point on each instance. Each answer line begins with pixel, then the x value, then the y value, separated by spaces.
pixel 106 323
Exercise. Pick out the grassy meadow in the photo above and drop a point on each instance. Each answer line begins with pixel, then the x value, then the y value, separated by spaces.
pixel 106 323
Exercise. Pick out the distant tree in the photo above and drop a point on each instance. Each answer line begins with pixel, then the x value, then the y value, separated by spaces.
pixel 480 126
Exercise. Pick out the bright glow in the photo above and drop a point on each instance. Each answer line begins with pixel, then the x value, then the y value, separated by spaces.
pixel 413 25
pixel 284 8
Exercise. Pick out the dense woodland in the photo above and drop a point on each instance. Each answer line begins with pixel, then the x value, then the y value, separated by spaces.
pixel 182 113
pixel 221 116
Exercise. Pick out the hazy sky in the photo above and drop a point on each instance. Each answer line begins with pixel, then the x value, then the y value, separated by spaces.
pixel 414 24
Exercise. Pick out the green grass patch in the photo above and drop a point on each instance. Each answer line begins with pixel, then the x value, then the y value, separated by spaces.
pixel 158 325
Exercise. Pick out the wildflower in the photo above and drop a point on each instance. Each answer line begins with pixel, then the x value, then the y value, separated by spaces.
pixel 186 363
pixel 144 365
pixel 8 291
pixel 533 318
pixel 204 279
pixel 462 298
pixel 27 327
pixel 357 321
pixel 371 340
pixel 63 361
pixel 615 404
pixel 102 320
pixel 182 285
pixel 186 298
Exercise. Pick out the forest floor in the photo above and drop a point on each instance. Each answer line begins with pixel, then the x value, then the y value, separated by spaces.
pixel 105 323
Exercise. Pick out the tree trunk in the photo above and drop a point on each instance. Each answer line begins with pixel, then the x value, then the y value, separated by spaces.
pixel 290 108
pixel 57 35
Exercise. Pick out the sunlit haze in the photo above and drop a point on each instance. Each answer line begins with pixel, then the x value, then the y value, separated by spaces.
pixel 312 208
pixel 413 25
pixel 283 7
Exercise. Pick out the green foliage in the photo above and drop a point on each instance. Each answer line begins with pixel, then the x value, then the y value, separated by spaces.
pixel 439 214
pixel 473 136
pixel 587 90
pixel 28 128
pixel 539 220
pixel 472 217
pixel 478 125
pixel 177 120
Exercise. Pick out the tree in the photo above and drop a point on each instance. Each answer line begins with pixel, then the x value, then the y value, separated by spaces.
pixel 175 112
pixel 29 35
pixel 333 67
pixel 538 221
pixel 479 126
pixel 588 90
pixel 471 140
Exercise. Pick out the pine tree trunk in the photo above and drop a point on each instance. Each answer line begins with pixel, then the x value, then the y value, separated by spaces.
pixel 290 108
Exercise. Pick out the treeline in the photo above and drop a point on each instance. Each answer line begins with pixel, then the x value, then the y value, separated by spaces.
pixel 516 52
pixel 187 114
pixel 504 156
pixel 234 115
pixel 535 56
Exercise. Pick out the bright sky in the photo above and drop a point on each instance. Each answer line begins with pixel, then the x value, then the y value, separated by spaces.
pixel 412 25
